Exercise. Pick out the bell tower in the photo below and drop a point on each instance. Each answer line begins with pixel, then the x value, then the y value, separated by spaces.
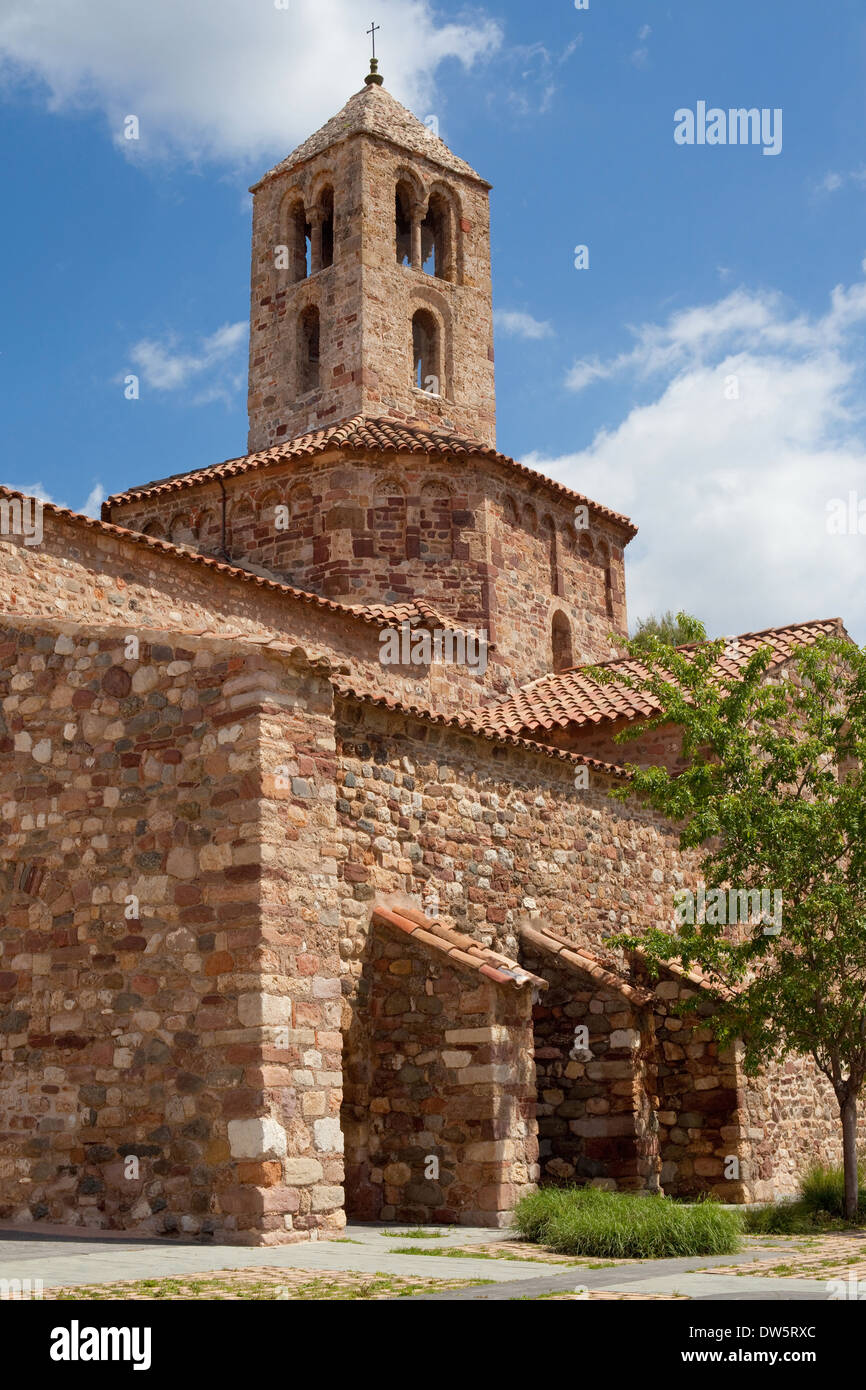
pixel 371 290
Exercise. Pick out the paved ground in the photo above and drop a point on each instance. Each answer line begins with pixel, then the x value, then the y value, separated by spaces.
pixel 67 1262
pixel 87 1261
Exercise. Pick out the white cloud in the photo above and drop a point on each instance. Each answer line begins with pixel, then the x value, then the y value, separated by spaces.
pixel 519 325
pixel 92 504
pixel 533 81
pixel 833 181
pixel 757 425
pixel 640 56
pixel 214 369
pixel 830 183
pixel 226 79
pixel 698 334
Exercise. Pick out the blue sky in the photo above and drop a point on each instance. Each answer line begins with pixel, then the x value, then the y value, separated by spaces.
pixel 704 374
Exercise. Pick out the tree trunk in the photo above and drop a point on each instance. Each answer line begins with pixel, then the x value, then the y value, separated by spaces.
pixel 848 1110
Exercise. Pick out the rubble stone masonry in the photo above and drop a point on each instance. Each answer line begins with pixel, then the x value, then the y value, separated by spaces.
pixel 457 532
pixel 167 991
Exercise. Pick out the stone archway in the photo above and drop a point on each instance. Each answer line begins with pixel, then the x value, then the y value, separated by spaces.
pixel 594 1047
pixel 699 1100
pixel 438 1077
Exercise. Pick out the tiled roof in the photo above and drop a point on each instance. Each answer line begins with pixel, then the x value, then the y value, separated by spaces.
pixel 571 698
pixel 360 435
pixel 373 111
pixel 579 959
pixel 471 723
pixel 695 977
pixel 458 949
pixel 416 610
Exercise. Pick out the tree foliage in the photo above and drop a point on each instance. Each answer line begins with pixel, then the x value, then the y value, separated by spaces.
pixel 772 796
pixel 675 630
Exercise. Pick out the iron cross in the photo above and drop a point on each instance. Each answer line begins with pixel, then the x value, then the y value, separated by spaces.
pixel 372 32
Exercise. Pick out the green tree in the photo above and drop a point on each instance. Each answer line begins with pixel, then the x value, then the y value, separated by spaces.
pixel 673 630
pixel 772 795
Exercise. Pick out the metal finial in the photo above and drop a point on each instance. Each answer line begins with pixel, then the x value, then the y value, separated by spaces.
pixel 373 77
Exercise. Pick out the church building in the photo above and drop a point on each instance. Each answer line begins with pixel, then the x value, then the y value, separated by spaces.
pixel 309 865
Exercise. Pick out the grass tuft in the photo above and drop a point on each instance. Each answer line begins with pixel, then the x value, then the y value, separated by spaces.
pixel 419 1233
pixel 821 1206
pixel 625 1226
pixel 822 1188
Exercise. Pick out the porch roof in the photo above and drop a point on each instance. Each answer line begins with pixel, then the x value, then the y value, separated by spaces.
pixel 459 949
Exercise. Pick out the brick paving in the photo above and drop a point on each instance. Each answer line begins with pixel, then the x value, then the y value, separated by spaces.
pixel 812 1257
pixel 259 1284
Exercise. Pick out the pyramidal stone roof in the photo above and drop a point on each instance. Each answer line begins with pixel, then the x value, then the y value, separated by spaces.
pixel 373 111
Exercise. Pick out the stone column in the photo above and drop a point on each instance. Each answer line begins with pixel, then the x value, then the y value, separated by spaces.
pixel 449 268
pixel 314 217
pixel 417 219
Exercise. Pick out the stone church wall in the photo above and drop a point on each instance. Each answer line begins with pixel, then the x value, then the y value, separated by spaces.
pixel 359 531
pixel 702 1123
pixel 592 1103
pixel 485 549
pixel 277 409
pixel 793 1122
pixel 489 839
pixel 541 568
pixel 490 842
pixel 89 574
pixel 497 834
pixel 461 304
pixel 658 748
pixel 168 993
pixel 202 1038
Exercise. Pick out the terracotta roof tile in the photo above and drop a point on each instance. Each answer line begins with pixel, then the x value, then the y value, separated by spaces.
pixel 571 698
pixel 578 958
pixel 362 434
pixel 551 943
pixel 695 977
pixel 414 610
pixel 459 949
pixel 471 723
